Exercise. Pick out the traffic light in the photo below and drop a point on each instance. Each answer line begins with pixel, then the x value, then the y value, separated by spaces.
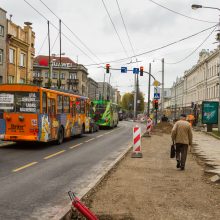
pixel 141 71
pixel 156 104
pixel 107 67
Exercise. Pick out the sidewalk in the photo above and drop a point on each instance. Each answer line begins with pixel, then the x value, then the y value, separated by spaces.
pixel 208 148
pixel 153 188
pixel 5 143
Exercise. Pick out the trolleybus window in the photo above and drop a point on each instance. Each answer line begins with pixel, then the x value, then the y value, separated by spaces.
pixel 44 102
pixel 26 102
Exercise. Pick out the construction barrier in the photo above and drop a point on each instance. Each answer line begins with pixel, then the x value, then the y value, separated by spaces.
pixel 136 143
pixel 149 126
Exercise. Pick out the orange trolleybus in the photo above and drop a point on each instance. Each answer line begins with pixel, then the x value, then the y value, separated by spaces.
pixel 33 113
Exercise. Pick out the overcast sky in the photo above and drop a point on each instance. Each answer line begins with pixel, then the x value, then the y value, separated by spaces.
pixel 149 26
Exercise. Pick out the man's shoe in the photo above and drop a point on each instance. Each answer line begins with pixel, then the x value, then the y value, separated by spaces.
pixel 182 168
pixel 178 164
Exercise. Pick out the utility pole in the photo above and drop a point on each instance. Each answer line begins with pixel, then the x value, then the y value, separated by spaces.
pixel 59 82
pixel 49 58
pixel 103 88
pixel 135 96
pixel 149 79
pixel 162 95
pixel 175 103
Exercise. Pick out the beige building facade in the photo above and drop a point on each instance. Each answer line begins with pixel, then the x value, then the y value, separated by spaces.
pixel 3 34
pixel 20 53
pixel 200 83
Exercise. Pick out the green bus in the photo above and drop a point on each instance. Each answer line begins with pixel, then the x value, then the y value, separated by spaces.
pixel 105 113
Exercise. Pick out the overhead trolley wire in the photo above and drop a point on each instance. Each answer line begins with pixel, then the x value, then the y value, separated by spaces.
pixel 42 45
pixel 156 49
pixel 186 16
pixel 62 33
pixel 129 39
pixel 114 28
pixel 194 49
pixel 74 34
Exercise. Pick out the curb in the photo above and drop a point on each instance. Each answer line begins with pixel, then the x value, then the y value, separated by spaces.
pixel 64 214
pixel 211 134
pixel 5 143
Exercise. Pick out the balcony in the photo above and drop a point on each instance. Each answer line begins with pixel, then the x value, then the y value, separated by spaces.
pixel 73 81
pixel 38 78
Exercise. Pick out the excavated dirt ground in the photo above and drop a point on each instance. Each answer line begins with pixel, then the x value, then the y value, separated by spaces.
pixel 153 188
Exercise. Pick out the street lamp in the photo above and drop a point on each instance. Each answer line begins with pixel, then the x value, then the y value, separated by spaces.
pixel 194 6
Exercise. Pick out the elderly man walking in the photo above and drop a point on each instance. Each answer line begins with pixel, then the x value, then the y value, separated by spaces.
pixel 182 136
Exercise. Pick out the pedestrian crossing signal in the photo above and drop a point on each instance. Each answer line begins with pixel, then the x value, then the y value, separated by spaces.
pixel 107 67
pixel 141 71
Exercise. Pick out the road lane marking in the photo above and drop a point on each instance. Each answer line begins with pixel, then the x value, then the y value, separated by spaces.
pixel 89 140
pixel 25 166
pixel 52 155
pixel 108 132
pixel 100 135
pixel 75 145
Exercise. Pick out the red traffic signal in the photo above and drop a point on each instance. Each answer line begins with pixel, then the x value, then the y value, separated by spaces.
pixel 107 66
pixel 156 104
pixel 141 70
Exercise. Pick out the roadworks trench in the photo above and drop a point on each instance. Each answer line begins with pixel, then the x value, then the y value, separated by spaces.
pixel 153 188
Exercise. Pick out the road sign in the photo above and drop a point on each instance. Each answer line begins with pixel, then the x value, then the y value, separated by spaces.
pixel 135 70
pixel 156 83
pixel 156 95
pixel 210 112
pixel 124 69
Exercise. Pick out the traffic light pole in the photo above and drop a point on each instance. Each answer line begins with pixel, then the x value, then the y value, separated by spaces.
pixel 148 103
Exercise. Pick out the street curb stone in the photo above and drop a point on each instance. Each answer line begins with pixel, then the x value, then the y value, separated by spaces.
pixel 215 178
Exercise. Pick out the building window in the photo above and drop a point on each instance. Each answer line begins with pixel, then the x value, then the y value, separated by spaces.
pixel 46 75
pixel 1 79
pixel 11 55
pixel 54 75
pixel 11 79
pixel 62 76
pixel 37 74
pixel 1 56
pixel 1 30
pixel 22 59
pixel 72 75
pixel 22 81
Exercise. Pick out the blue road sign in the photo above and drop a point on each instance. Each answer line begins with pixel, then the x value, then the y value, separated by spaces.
pixel 135 70
pixel 124 69
pixel 156 95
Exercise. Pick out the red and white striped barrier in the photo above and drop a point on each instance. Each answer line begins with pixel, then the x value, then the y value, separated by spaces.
pixel 149 125
pixel 136 142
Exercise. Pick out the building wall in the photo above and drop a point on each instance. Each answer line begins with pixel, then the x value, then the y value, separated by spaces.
pixel 74 77
pixel 92 89
pixel 3 26
pixel 198 84
pixel 108 92
pixel 21 42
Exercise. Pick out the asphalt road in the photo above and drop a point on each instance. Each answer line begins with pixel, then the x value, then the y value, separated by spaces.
pixel 35 179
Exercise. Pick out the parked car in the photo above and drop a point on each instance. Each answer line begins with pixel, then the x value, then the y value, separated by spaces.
pixel 93 127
